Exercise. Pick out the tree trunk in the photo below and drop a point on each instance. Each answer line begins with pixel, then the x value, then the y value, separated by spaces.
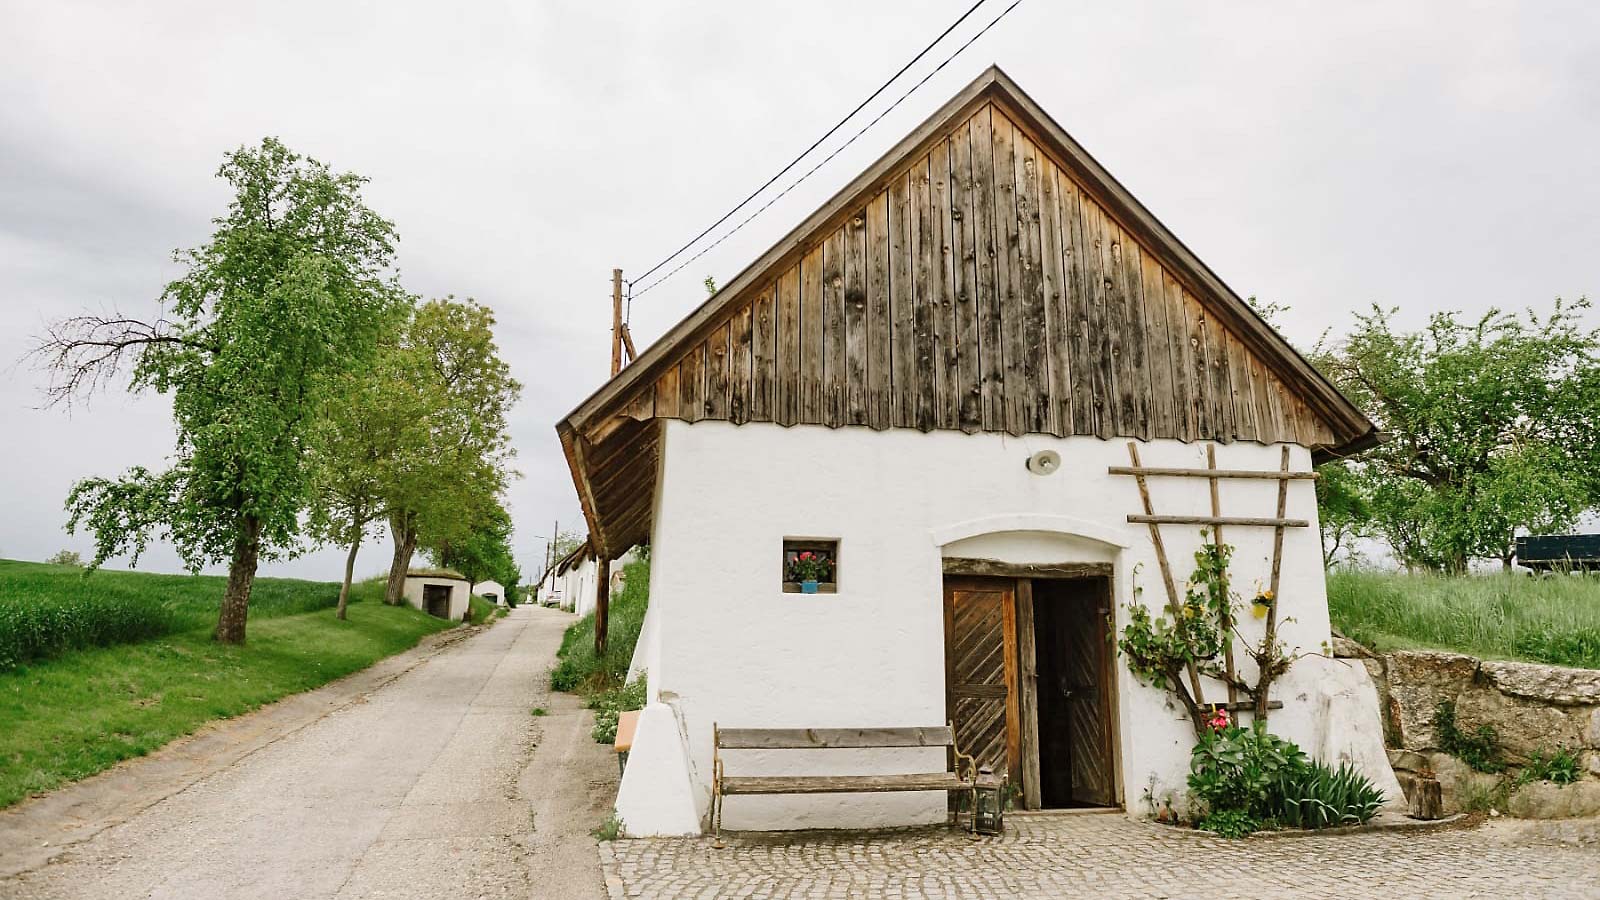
pixel 349 572
pixel 241 577
pixel 405 544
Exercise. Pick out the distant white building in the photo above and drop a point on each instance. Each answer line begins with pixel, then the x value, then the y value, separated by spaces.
pixel 573 582
pixel 438 592
pixel 493 591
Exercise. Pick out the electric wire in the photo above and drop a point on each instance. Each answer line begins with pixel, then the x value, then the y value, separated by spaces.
pixel 813 169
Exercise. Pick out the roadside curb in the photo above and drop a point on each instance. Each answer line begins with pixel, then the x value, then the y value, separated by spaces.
pixel 36 831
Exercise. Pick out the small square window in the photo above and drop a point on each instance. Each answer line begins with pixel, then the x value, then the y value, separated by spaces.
pixel 810 560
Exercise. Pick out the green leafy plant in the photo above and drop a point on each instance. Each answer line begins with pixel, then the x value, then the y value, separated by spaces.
pixel 539 711
pixel 1237 768
pixel 1230 823
pixel 1479 749
pixel 809 565
pixel 609 829
pixel 609 706
pixel 1560 767
pixel 1317 796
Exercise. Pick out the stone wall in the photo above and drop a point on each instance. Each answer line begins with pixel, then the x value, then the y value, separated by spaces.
pixel 1532 708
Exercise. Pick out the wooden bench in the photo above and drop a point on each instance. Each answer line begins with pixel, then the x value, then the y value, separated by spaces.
pixel 723 785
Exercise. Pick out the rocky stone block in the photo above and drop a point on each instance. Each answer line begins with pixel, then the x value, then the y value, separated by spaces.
pixel 1523 727
pixel 1549 684
pixel 1418 680
pixel 1543 800
pixel 1591 735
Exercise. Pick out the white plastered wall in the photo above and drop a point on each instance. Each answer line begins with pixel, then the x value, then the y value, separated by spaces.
pixel 458 593
pixel 727 646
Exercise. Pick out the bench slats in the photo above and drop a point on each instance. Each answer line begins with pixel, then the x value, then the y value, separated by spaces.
pixel 831 738
pixel 839 784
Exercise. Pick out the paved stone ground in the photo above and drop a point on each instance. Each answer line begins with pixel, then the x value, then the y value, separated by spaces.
pixel 438 783
pixel 1108 856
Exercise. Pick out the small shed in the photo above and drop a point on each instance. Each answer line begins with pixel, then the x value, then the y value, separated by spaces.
pixel 438 592
pixel 492 591
pixel 894 474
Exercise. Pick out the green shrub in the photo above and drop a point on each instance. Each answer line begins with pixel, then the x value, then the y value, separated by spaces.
pixel 1236 768
pixel 609 705
pixel 1321 797
pixel 1230 823
pixel 578 669
pixel 1479 749
pixel 1560 767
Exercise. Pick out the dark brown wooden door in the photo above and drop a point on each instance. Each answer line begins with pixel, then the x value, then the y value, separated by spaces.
pixel 981 669
pixel 1074 693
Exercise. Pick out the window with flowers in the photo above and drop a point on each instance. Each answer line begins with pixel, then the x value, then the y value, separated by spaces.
pixel 810 566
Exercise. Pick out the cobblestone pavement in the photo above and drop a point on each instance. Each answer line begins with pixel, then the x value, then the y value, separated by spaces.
pixel 1108 856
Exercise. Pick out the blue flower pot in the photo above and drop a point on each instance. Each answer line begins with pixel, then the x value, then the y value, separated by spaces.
pixel 808 587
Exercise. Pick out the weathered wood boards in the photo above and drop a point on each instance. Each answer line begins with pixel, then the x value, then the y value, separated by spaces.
pixel 984 288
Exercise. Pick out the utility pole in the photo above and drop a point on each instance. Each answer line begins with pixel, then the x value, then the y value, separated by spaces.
pixel 616 321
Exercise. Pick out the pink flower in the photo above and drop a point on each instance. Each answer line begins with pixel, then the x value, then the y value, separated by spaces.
pixel 1219 718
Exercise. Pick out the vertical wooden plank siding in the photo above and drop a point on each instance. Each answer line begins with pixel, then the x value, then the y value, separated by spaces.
pixel 667 398
pixel 1008 270
pixel 940 290
pixel 1120 400
pixel 1101 324
pixel 718 368
pixel 1034 359
pixel 921 220
pixel 986 233
pixel 982 288
pixel 1183 425
pixel 763 356
pixel 1058 389
pixel 811 336
pixel 739 372
pixel 878 385
pixel 1200 369
pixel 964 271
pixel 1074 260
pixel 902 308
pixel 855 319
pixel 1135 344
pixel 692 385
pixel 833 336
pixel 1158 347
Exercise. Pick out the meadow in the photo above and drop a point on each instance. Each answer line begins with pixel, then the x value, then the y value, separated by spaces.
pixel 1550 619
pixel 136 666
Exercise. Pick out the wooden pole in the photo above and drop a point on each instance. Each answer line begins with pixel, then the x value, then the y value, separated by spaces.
pixel 602 605
pixel 1227 611
pixel 1173 603
pixel 1269 643
pixel 616 321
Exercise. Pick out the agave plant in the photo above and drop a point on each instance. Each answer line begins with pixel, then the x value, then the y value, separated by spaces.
pixel 1317 796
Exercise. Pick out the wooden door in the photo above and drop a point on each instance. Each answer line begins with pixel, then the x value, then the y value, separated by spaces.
pixel 1077 757
pixel 980 628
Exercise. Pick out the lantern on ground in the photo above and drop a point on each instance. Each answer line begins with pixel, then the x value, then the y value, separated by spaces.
pixel 988 802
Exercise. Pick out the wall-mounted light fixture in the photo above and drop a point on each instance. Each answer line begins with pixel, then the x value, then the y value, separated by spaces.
pixel 1044 462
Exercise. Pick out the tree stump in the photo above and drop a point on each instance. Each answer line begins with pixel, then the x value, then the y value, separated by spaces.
pixel 1426 799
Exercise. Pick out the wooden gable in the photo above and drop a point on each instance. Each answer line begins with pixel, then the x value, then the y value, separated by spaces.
pixel 985 275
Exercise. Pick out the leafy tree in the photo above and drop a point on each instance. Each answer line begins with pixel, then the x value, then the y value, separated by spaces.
pixel 1344 509
pixel 485 554
pixel 449 405
pixel 291 291
pixel 1491 424
pixel 66 558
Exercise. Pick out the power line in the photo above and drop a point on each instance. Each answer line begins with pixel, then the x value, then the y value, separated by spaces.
pixel 819 165
pixel 796 161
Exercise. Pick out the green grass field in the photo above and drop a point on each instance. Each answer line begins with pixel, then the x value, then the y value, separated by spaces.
pixel 85 708
pixel 1552 619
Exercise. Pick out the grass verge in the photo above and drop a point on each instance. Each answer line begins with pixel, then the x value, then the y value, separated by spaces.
pixel 602 680
pixel 1553 619
pixel 67 718
pixel 48 610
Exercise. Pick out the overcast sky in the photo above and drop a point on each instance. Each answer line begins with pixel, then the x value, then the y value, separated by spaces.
pixel 1324 156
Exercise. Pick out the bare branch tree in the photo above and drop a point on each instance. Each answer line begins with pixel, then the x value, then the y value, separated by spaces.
pixel 84 353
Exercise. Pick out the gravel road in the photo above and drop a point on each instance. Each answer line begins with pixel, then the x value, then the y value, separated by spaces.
pixel 439 783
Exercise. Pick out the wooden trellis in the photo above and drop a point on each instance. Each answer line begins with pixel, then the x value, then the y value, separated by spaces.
pixel 1216 521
